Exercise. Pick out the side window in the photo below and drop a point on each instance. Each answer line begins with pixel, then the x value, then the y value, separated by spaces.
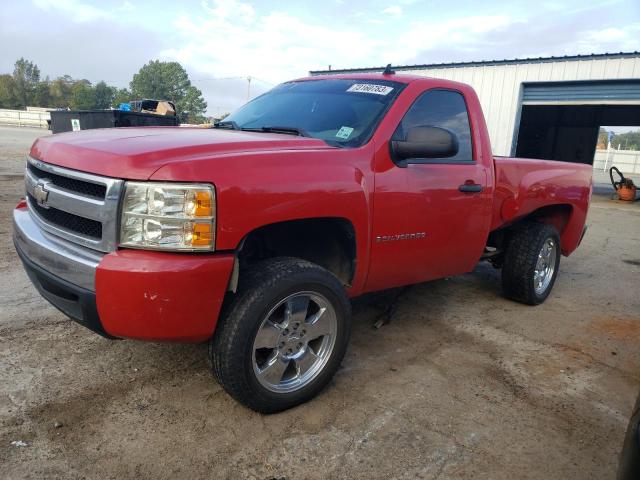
pixel 444 109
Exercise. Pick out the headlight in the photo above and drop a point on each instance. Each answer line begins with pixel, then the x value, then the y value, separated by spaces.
pixel 168 216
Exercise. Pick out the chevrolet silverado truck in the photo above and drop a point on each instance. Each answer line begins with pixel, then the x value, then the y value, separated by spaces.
pixel 254 235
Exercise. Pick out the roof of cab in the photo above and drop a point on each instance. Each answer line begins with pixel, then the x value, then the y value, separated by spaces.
pixel 393 77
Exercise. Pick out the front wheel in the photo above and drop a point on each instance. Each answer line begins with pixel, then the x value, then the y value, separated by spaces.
pixel 531 263
pixel 283 336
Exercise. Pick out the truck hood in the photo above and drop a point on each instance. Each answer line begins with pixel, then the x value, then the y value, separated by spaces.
pixel 136 153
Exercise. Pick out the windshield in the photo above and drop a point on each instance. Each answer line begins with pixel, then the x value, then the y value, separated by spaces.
pixel 341 112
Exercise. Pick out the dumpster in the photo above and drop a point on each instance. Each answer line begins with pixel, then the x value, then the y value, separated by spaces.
pixel 74 120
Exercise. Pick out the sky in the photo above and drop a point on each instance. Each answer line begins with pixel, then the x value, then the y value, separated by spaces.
pixel 222 42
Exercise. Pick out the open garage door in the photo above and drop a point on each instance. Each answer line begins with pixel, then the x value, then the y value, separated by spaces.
pixel 561 120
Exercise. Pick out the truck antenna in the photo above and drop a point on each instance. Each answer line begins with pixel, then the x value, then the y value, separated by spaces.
pixel 388 70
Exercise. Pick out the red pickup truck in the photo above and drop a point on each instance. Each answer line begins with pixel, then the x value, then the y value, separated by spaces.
pixel 254 235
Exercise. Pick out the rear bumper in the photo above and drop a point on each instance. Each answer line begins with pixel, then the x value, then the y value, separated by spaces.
pixel 128 293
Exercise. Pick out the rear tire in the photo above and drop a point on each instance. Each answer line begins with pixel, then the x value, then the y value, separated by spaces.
pixel 531 263
pixel 283 335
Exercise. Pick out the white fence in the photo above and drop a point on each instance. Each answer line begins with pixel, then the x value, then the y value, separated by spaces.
pixel 23 118
pixel 627 161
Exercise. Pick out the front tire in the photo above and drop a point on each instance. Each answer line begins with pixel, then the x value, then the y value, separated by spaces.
pixel 282 336
pixel 531 263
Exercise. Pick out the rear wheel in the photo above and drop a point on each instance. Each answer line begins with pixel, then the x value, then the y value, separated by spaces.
pixel 283 335
pixel 531 263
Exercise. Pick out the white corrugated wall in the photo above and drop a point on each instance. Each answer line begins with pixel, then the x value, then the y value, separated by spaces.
pixel 499 86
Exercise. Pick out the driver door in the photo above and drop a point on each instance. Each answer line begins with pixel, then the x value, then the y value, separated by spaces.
pixel 431 215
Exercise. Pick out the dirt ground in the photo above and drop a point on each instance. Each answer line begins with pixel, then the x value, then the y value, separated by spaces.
pixel 461 384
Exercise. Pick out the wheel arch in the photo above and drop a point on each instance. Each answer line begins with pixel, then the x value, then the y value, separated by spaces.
pixel 326 241
pixel 557 215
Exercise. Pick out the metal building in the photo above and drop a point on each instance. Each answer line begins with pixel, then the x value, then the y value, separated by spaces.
pixel 546 107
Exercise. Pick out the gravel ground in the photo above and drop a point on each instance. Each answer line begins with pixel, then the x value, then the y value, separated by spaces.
pixel 461 384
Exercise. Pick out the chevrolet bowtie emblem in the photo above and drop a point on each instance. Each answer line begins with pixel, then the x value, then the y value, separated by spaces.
pixel 40 192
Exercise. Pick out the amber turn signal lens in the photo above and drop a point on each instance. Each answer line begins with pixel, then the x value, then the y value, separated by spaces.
pixel 201 234
pixel 203 204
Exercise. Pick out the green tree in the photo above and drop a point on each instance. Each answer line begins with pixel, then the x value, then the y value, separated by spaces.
pixel 192 103
pixel 627 141
pixel 121 95
pixel 168 81
pixel 103 95
pixel 8 92
pixel 26 74
pixel 160 80
pixel 83 96
pixel 60 91
pixel 42 94
pixel 157 80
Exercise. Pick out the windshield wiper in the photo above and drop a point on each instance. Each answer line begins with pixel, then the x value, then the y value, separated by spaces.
pixel 229 124
pixel 274 129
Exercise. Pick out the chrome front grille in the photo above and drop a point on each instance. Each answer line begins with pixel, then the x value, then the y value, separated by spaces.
pixel 68 183
pixel 77 206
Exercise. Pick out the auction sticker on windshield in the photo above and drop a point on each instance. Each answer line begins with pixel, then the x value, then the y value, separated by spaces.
pixel 369 88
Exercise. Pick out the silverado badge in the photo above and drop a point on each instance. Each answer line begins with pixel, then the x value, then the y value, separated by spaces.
pixel 400 236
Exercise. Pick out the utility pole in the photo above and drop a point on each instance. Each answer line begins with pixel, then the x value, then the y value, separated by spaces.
pixel 248 88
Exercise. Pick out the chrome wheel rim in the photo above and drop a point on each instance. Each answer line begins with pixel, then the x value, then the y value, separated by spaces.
pixel 545 266
pixel 294 342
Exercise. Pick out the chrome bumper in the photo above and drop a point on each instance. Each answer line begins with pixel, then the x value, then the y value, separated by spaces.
pixel 68 261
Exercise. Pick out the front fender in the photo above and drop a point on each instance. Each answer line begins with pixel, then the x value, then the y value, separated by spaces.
pixel 259 189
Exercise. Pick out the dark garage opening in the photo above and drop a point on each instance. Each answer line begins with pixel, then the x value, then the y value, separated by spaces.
pixel 561 120
pixel 568 132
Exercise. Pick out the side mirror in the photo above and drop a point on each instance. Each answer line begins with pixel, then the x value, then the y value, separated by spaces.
pixel 425 142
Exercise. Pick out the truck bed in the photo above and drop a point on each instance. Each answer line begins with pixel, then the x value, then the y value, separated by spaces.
pixel 525 185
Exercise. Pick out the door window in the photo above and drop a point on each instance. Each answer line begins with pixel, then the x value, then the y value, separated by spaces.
pixel 445 109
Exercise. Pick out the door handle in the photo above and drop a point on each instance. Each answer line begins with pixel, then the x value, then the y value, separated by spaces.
pixel 470 188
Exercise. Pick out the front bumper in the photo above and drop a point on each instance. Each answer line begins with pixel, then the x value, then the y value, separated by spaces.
pixel 75 302
pixel 61 258
pixel 127 293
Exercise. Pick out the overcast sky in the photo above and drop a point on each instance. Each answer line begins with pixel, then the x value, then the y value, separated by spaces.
pixel 221 42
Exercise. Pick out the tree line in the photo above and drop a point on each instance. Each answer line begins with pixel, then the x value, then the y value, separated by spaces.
pixel 626 141
pixel 623 141
pixel 156 80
